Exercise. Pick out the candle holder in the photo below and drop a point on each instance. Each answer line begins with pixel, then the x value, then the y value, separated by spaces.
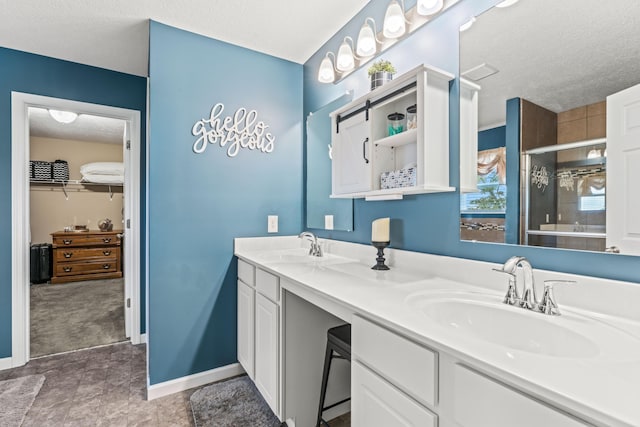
pixel 380 265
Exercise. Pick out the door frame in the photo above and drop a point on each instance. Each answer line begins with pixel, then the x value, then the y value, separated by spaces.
pixel 20 213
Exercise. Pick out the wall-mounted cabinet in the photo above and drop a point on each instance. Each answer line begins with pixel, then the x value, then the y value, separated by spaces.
pixel 378 158
pixel 468 136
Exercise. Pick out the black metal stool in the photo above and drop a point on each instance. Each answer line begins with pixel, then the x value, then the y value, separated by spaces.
pixel 339 342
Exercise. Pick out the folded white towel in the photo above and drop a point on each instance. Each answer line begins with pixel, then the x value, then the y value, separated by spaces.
pixel 103 179
pixel 103 168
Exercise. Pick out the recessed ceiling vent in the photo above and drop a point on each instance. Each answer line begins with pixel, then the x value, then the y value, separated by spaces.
pixel 480 72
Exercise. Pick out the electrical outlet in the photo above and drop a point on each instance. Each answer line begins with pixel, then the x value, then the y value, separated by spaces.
pixel 272 223
pixel 328 222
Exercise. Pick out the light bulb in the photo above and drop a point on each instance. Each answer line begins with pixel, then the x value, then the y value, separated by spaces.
pixel 507 3
pixel 467 25
pixel 345 61
pixel 326 73
pixel 65 117
pixel 394 25
pixel 366 45
pixel 429 7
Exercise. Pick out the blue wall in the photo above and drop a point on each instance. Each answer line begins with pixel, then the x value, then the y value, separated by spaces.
pixel 199 202
pixel 492 138
pixel 24 72
pixel 430 223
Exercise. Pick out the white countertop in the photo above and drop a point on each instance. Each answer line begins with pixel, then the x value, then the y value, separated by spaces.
pixel 603 388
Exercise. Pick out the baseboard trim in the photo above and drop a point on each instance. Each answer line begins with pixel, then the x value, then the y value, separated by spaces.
pixel 196 380
pixel 6 363
pixel 143 338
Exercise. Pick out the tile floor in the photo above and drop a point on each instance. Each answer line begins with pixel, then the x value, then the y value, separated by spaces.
pixel 104 386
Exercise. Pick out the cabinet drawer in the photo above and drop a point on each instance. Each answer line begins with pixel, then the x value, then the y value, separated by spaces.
pixel 480 401
pixel 77 239
pixel 268 285
pixel 409 366
pixel 377 403
pixel 73 268
pixel 246 272
pixel 71 254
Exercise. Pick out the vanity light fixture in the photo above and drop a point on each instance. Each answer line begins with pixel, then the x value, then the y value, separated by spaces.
pixel 394 21
pixel 367 44
pixel 429 7
pixel 345 60
pixel 326 73
pixel 65 117
pixel 507 3
pixel 468 24
pixel 370 43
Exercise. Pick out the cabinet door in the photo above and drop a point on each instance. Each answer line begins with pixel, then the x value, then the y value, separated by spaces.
pixel 351 152
pixel 246 322
pixel 375 402
pixel 266 355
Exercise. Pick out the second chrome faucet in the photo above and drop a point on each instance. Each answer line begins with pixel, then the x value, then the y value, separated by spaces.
pixel 528 299
pixel 315 249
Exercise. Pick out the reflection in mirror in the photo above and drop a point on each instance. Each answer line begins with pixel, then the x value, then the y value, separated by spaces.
pixel 543 71
pixel 322 211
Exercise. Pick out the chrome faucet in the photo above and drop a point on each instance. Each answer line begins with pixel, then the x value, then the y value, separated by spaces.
pixel 315 249
pixel 528 299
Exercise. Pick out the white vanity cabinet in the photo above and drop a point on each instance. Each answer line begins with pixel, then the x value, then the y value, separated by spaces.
pixel 259 330
pixel 413 161
pixel 393 379
pixel 397 381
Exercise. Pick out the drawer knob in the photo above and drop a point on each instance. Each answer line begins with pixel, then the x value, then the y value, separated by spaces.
pixel 106 266
pixel 68 254
pixel 106 253
pixel 67 241
pixel 67 269
pixel 106 239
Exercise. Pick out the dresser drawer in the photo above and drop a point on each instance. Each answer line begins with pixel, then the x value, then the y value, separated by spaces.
pixel 75 254
pixel 404 363
pixel 78 239
pixel 268 285
pixel 90 267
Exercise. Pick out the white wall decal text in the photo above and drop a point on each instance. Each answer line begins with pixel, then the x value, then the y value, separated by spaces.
pixel 243 130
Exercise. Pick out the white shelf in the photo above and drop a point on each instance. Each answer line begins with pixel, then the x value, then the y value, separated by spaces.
pixel 403 138
pixel 392 193
pixel 71 182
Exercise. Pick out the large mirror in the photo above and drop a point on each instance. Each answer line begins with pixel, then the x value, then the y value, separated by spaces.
pixel 541 72
pixel 322 211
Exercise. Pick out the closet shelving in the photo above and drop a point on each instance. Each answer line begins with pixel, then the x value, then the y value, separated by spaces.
pixel 74 185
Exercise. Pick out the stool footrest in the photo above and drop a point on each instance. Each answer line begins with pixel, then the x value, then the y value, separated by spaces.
pixel 336 404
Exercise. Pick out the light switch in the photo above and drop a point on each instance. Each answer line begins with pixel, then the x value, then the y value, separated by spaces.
pixel 328 222
pixel 272 223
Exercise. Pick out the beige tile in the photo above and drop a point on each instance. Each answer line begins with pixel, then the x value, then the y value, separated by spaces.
pixel 597 126
pixel 572 131
pixel 597 109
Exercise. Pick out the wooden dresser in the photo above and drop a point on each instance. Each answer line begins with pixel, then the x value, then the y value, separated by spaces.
pixel 87 255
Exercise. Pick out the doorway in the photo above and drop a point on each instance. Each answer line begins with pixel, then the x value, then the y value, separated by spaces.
pixel 21 213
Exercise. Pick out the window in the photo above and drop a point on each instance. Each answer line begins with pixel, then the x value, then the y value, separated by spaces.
pixel 492 197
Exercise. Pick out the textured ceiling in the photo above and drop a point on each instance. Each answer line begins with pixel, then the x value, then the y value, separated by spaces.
pixel 114 34
pixel 557 54
pixel 85 128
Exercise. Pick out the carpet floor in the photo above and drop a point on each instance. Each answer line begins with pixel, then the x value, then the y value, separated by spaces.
pixel 232 403
pixel 72 316
pixel 16 397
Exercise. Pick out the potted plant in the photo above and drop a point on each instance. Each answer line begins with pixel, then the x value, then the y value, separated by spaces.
pixel 381 72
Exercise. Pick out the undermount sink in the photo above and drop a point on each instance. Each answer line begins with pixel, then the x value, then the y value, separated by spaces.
pixel 486 318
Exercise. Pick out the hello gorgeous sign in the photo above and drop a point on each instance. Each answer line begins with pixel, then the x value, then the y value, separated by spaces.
pixel 242 130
